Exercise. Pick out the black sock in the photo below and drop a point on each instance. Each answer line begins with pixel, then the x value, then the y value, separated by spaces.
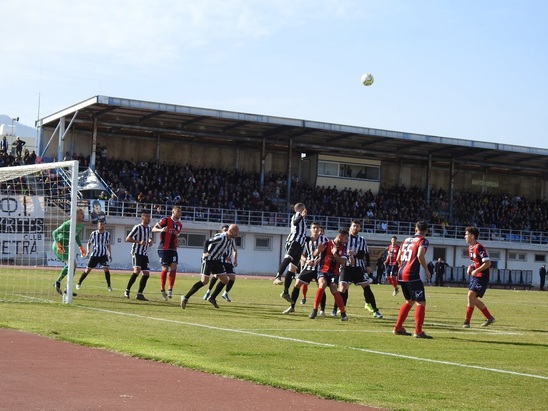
pixel 212 283
pixel 193 289
pixel 287 281
pixel 82 277
pixel 107 277
pixel 370 297
pixel 295 295
pixel 217 291
pixel 143 283
pixel 131 281
pixel 345 297
pixel 229 285
pixel 283 265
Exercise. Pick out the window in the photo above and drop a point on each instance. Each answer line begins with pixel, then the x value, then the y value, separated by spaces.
pixel 540 258
pixel 515 256
pixel 240 243
pixel 263 243
pixel 349 170
pixel 326 168
pixel 193 240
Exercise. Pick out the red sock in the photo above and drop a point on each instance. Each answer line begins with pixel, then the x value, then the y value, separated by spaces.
pixel 404 310
pixel 304 289
pixel 420 312
pixel 318 298
pixel 469 311
pixel 486 313
pixel 172 275
pixel 339 301
pixel 163 278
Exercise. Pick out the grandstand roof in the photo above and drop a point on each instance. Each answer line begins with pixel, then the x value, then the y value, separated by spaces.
pixel 119 117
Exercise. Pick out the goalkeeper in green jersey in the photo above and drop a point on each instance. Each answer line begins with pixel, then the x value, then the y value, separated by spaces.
pixel 60 246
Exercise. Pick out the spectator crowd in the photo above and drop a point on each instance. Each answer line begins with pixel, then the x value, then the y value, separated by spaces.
pixel 167 184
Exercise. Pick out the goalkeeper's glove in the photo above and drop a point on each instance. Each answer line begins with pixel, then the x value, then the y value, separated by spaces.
pixel 82 251
pixel 60 248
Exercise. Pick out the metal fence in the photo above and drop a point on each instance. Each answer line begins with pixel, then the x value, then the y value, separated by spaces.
pixel 277 219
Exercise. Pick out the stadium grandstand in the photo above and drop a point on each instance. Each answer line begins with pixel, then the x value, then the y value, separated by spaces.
pixel 225 167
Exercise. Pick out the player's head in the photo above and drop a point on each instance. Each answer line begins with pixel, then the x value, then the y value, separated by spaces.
pixel 394 239
pixel 342 236
pixel 100 225
pixel 315 229
pixel 299 207
pixel 355 227
pixel 79 215
pixel 233 230
pixel 421 227
pixel 471 234
pixel 224 228
pixel 145 218
pixel 176 212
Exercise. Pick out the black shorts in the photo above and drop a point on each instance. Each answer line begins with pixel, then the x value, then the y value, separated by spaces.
pixel 307 276
pixel 330 278
pixel 392 270
pixel 95 260
pixel 141 261
pixel 294 250
pixel 229 268
pixel 212 267
pixel 168 257
pixel 413 290
pixel 354 275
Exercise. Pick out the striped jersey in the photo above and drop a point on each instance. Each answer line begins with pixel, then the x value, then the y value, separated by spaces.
pixel 358 245
pixel 478 255
pixel 229 253
pixel 309 248
pixel 169 238
pixel 216 246
pixel 140 233
pixel 298 229
pixel 410 265
pixel 99 243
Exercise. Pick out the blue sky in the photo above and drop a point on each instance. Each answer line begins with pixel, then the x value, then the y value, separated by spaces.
pixel 474 70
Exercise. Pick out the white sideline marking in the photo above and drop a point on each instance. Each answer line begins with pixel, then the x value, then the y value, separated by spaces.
pixel 408 357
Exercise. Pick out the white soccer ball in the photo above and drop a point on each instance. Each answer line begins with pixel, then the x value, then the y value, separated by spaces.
pixel 367 79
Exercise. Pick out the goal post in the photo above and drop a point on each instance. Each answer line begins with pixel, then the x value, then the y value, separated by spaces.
pixel 34 201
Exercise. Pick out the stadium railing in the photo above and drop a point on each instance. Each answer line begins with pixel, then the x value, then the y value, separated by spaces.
pixel 281 219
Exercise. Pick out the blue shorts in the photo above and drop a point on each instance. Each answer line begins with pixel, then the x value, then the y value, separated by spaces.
pixel 479 285
pixel 168 257
pixel 413 290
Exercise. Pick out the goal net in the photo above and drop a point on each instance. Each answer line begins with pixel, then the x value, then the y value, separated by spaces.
pixel 34 201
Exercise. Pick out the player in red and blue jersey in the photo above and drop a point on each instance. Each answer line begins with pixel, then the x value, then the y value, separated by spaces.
pixel 170 228
pixel 411 258
pixel 332 257
pixel 479 272
pixel 391 264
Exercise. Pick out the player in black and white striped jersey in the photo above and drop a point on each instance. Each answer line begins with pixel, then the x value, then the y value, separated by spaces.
pixel 214 249
pixel 357 269
pixel 230 260
pixel 293 250
pixel 98 249
pixel 141 237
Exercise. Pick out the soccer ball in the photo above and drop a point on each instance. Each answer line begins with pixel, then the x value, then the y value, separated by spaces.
pixel 367 79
